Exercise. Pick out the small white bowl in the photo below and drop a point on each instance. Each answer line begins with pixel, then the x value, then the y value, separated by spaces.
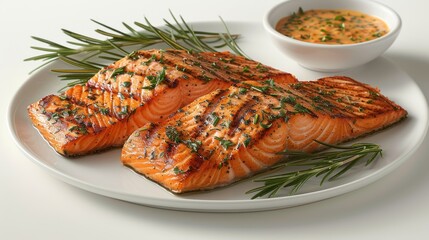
pixel 332 58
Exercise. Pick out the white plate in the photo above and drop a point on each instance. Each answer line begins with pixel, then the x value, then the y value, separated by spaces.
pixel 103 173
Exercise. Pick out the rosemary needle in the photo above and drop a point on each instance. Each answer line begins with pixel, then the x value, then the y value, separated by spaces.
pixel 329 164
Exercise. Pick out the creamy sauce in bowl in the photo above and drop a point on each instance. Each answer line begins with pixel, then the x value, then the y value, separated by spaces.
pixel 325 26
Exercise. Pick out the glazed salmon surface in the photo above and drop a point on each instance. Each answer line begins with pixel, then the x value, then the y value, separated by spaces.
pixel 146 86
pixel 230 134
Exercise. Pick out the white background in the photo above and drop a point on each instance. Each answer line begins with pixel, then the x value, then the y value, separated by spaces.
pixel 34 205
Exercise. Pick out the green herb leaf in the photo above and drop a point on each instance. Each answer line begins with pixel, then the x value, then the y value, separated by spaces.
pixel 340 18
pixel 126 84
pixel 246 141
pixel 173 134
pixel 301 109
pixel 242 90
pixel 177 170
pixel 214 118
pixel 224 143
pixel 118 71
pixel 256 119
pixel 156 80
pixel 194 146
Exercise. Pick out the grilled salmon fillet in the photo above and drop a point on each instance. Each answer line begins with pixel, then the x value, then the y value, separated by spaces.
pixel 146 86
pixel 230 134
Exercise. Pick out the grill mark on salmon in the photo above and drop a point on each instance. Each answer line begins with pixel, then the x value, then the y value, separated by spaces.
pixel 144 87
pixel 239 116
pixel 203 119
pixel 253 126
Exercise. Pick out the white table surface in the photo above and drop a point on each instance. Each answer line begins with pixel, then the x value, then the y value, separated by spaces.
pixel 34 205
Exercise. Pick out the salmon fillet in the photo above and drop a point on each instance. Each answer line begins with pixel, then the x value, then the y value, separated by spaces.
pixel 146 86
pixel 230 134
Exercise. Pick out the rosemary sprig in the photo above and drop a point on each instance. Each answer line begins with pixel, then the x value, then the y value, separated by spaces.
pixel 329 164
pixel 86 55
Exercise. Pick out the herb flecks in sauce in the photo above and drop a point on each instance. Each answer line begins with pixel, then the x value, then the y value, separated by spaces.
pixel 332 26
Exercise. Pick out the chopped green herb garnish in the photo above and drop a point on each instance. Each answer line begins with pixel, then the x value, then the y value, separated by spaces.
pixel 155 80
pixel 55 116
pixel 205 78
pixel 177 170
pixel 305 36
pixel 104 111
pixel 265 125
pixel 373 94
pixel 223 162
pixel 340 18
pixel 256 119
pixel 194 146
pixel 289 99
pixel 270 82
pixel 301 109
pixel 224 143
pixel 173 134
pixel 152 58
pixel 242 90
pixel 80 129
pixel 152 155
pixel 261 68
pixel 377 34
pixel 226 124
pixel 124 110
pixel 214 118
pixel 246 141
pixel 326 38
pixel 126 84
pixel 260 89
pixel 118 71
pixel 63 97
pixel 296 85
pixel 134 55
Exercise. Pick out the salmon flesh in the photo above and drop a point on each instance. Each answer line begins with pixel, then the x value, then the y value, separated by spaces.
pixel 231 134
pixel 144 87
